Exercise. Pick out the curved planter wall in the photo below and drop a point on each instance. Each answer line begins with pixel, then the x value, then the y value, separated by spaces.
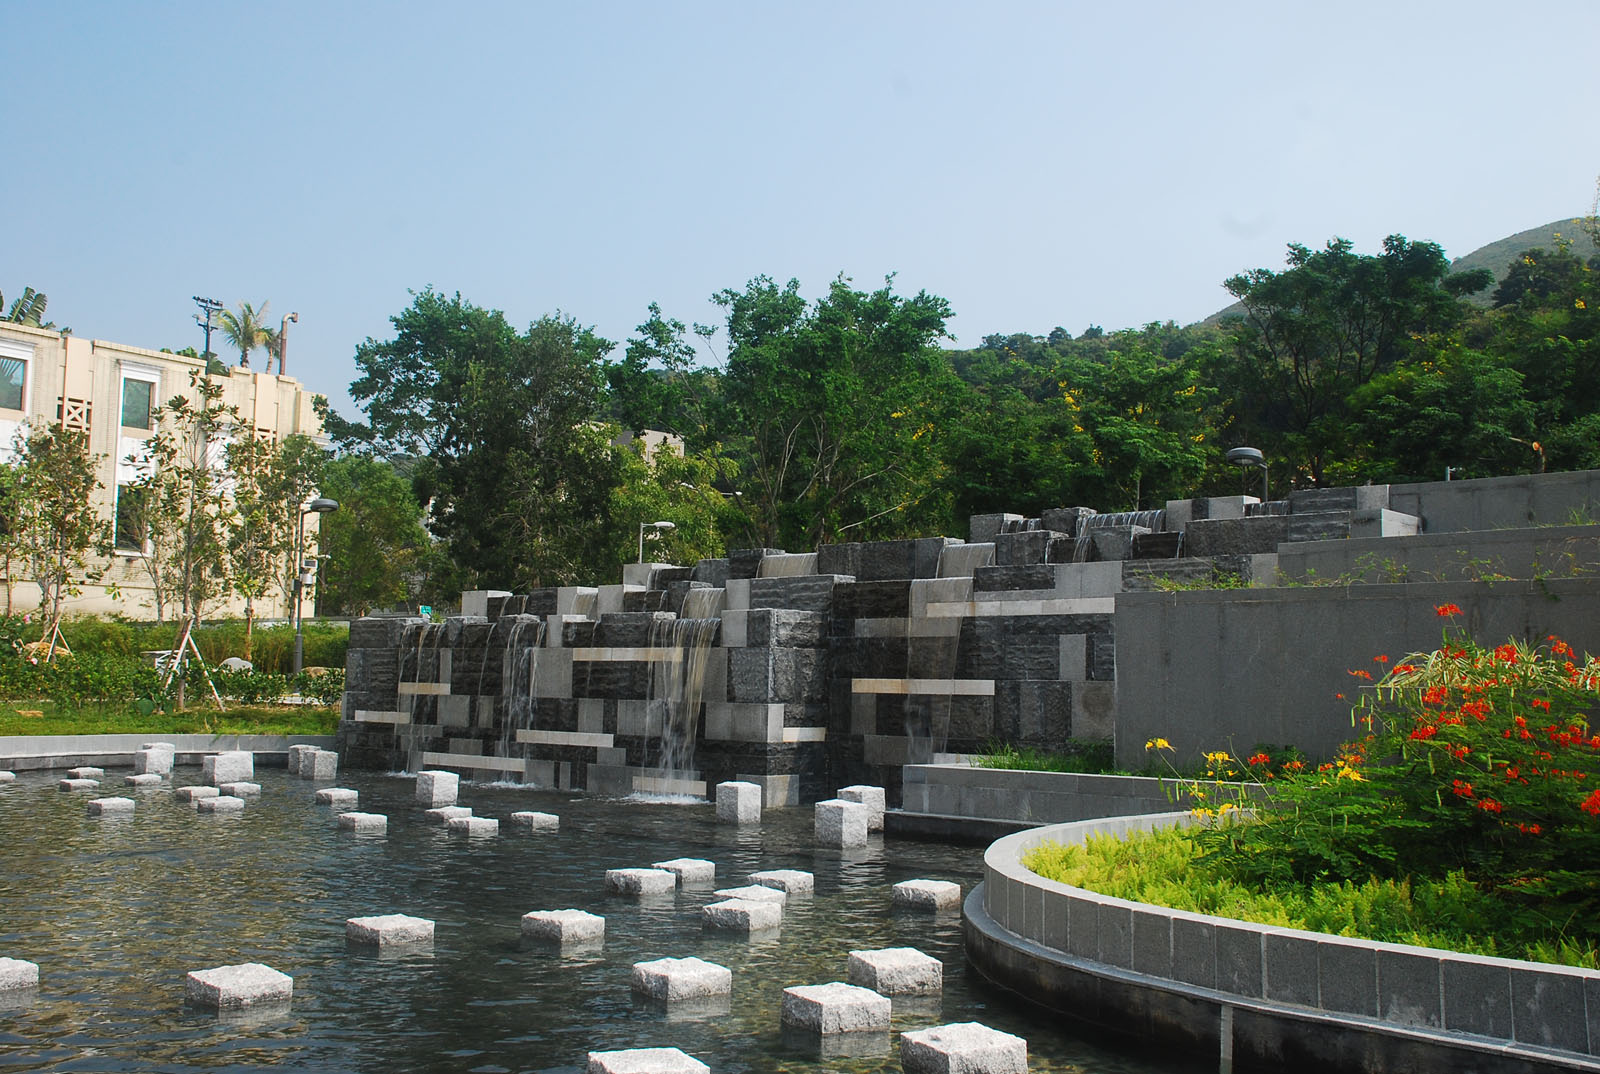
pixel 1260 995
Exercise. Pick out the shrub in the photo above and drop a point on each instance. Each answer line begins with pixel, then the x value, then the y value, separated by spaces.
pixel 1473 760
pixel 250 687
pixel 326 686
pixel 89 678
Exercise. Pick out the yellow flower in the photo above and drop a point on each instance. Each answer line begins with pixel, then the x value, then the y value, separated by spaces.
pixel 1352 775
pixel 1578 302
pixel 1158 744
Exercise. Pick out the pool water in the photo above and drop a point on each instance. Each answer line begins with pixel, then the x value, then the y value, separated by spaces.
pixel 117 910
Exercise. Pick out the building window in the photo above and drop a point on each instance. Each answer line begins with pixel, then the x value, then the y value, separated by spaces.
pixel 132 528
pixel 138 397
pixel 13 381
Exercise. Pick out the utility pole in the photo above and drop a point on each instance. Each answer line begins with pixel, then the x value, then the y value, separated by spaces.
pixel 209 306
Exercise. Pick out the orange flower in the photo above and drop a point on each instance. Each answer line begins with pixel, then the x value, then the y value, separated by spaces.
pixel 1591 804
pixel 1447 610
pixel 1259 758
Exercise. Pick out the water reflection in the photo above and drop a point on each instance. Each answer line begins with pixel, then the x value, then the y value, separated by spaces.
pixel 117 914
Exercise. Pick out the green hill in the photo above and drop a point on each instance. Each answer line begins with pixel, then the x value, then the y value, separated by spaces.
pixel 1496 257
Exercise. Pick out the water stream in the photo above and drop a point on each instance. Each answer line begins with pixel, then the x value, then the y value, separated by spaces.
pixel 677 677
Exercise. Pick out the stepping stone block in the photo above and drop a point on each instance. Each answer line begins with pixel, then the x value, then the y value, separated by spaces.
pixel 221 803
pixel 446 814
pixel 297 758
pixel 754 893
pixel 100 807
pixel 77 784
pixel 962 1048
pixel 388 930
pixel 234 766
pixel 841 824
pixel 672 979
pixel 321 764
pixel 741 915
pixel 640 881
pixel 8 777
pixel 738 802
pixel 834 1008
pixel 535 821
pixel 338 796
pixel 143 779
pixel 645 1061
pixel 18 973
pixel 927 895
pixel 473 825
pixel 689 870
pixel 241 789
pixel 871 797
pixel 86 772
pixel 154 758
pixel 369 823
pixel 788 881
pixel 194 794
pixel 231 987
pixel 563 926
pixel 897 971
pixel 435 789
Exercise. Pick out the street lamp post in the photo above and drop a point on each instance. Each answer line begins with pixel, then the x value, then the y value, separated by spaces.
pixel 1249 456
pixel 319 506
pixel 658 527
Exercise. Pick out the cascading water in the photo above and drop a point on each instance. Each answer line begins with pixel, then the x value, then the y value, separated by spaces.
pixel 787 565
pixel 677 678
pixel 519 669
pixel 704 603
pixel 416 638
pixel 960 560
pixel 1152 520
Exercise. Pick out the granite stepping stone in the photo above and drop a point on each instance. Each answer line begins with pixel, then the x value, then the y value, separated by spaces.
pixel 232 987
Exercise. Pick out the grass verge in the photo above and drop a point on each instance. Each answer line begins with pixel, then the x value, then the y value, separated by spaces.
pixel 1162 868
pixel 39 717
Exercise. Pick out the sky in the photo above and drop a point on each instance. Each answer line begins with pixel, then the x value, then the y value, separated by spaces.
pixel 1035 164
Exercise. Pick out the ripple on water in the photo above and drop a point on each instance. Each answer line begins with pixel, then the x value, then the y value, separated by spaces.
pixel 116 915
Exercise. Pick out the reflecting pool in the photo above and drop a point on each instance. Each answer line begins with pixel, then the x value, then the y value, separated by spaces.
pixel 116 910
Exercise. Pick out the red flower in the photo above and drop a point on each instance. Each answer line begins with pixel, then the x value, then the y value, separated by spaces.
pixel 1591 804
pixel 1382 659
pixel 1447 610
pixel 1489 805
pixel 1259 758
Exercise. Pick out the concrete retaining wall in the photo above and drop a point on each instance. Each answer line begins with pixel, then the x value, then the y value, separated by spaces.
pixel 1548 552
pixel 1266 995
pixel 958 790
pixel 1237 668
pixel 25 753
pixel 1493 503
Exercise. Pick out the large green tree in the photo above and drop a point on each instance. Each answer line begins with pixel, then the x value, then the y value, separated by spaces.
pixel 510 456
pixel 56 526
pixel 1321 328
pixel 375 542
pixel 837 408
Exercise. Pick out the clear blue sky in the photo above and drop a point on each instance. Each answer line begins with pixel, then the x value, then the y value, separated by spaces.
pixel 1037 164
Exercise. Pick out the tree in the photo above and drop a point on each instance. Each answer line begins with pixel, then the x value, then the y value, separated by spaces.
pixel 268 482
pixel 511 460
pixel 245 330
pixel 10 535
pixel 56 525
pixel 1315 332
pixel 182 501
pixel 375 542
pixel 838 406
pixel 28 309
pixel 657 385
pixel 690 491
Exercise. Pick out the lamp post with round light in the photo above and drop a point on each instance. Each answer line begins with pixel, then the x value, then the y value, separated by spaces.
pixel 659 527
pixel 1246 457
pixel 303 576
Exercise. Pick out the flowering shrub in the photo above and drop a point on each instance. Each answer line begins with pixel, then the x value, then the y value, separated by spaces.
pixel 1470 759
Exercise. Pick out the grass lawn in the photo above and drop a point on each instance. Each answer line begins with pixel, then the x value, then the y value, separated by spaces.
pixel 40 717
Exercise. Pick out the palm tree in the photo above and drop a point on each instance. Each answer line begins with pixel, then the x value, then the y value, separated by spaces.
pixel 245 330
pixel 29 309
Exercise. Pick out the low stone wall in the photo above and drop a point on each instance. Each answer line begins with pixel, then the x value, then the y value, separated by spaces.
pixel 1264 995
pixel 1022 797
pixel 1546 552
pixel 25 753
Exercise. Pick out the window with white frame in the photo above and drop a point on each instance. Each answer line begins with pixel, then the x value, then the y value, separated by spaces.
pixel 14 362
pixel 140 386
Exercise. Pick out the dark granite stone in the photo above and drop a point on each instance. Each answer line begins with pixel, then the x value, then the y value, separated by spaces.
pixel 1066 520
pixel 374 633
pixel 629 629
pixel 1319 526
pixel 807 593
pixel 872 600
pixel 745 562
pixel 1025 548
pixel 1004 579
pixel 1102 656
pixel 766 627
pixel 578 634
pixel 539 602
pixel 842 558
pixel 1235 536
pixel 1156 545
pixel 766 675
pixel 617 679
pixel 713 572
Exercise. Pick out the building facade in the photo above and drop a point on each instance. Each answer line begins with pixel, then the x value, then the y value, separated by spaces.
pixel 110 391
